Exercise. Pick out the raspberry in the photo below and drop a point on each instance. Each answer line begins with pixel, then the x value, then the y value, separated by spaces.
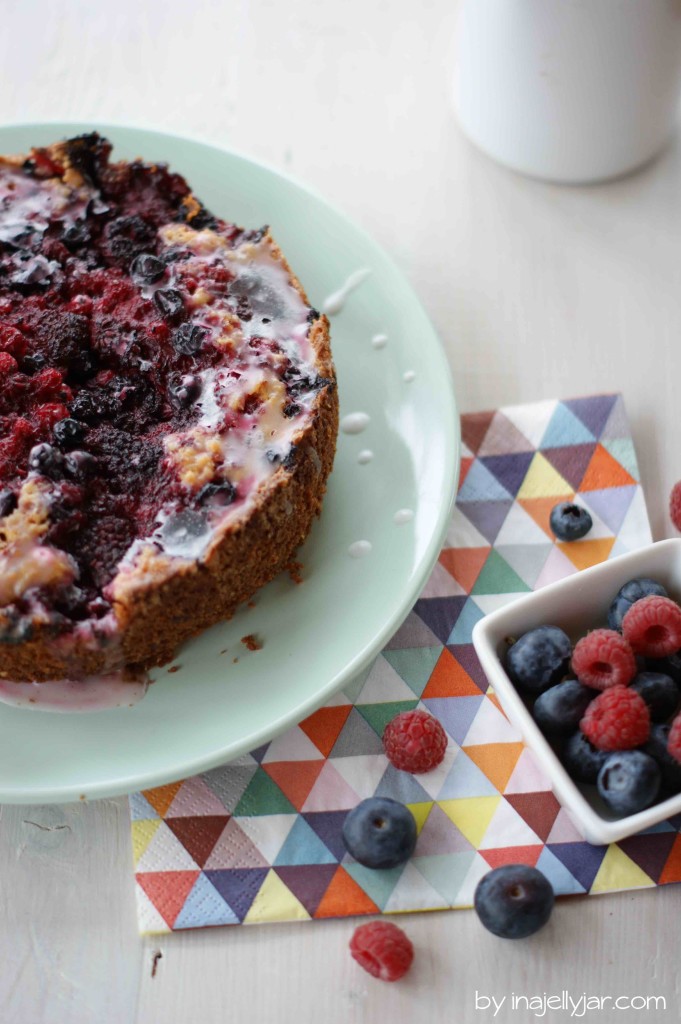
pixel 653 626
pixel 674 739
pixel 617 720
pixel 675 505
pixel 414 742
pixel 8 364
pixel 382 949
pixel 602 659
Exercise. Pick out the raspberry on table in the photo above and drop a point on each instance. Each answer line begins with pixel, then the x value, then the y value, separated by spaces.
pixel 380 832
pixel 632 591
pixel 514 901
pixel 569 521
pixel 539 658
pixel 629 781
pixel 414 742
pixel 674 739
pixel 382 949
pixel 618 719
pixel 675 505
pixel 653 626
pixel 603 658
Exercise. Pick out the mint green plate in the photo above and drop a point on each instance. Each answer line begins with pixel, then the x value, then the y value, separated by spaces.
pixel 319 636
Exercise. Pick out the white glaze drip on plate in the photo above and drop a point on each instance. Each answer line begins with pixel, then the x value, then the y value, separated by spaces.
pixel 360 549
pixel 335 302
pixel 96 693
pixel 379 340
pixel 403 515
pixel 366 455
pixel 355 422
pixel 409 376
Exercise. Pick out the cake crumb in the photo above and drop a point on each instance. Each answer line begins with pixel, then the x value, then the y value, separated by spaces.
pixel 252 642
pixel 224 651
pixel 234 661
pixel 174 668
pixel 295 570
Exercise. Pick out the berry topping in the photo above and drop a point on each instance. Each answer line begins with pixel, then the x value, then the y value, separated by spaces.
pixel 514 901
pixel 68 433
pixel 380 833
pixel 414 742
pixel 539 658
pixel 628 781
pixel 169 303
pixel 581 759
pixel 617 719
pixel 223 493
pixel 45 459
pixel 627 595
pixel 675 505
pixel 660 693
pixel 602 659
pixel 382 949
pixel 653 626
pixel 189 338
pixel 558 711
pixel 147 268
pixel 569 521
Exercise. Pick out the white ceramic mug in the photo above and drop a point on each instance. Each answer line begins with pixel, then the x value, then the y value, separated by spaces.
pixel 569 90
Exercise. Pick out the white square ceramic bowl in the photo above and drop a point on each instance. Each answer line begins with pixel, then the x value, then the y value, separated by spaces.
pixel 576 604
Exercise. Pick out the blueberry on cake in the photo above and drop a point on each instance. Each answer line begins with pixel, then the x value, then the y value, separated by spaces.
pixel 168 413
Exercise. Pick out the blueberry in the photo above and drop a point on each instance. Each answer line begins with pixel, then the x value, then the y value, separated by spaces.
pixel 33 363
pixel 169 303
pixel 540 658
pixel 514 901
pixel 146 268
pixel 627 595
pixel 628 781
pixel 68 433
pixel 581 759
pixel 89 406
pixel 660 693
pixel 222 493
pixel 186 392
pixel 81 465
pixel 559 711
pixel 669 766
pixel 669 666
pixel 380 833
pixel 569 521
pixel 8 502
pixel 45 459
pixel 76 236
pixel 189 338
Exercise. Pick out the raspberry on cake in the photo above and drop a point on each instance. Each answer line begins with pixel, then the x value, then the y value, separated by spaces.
pixel 168 413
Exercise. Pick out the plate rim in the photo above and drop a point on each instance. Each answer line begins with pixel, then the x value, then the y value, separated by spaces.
pixel 128 784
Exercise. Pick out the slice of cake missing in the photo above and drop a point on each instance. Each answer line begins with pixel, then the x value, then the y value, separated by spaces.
pixel 168 413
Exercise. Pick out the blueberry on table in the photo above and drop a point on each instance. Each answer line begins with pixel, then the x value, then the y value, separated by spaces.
pixel 539 658
pixel 558 711
pixel 670 666
pixel 380 833
pixel 569 521
pixel 514 901
pixel 628 781
pixel 632 591
pixel 660 693
pixel 581 760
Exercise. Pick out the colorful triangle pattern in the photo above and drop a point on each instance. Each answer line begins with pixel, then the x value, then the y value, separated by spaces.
pixel 261 839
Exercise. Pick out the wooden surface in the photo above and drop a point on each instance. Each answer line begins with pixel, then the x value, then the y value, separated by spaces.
pixel 536 291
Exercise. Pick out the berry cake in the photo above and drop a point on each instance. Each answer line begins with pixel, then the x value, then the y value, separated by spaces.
pixel 168 413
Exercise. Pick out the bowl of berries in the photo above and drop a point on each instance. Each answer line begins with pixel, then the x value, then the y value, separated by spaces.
pixel 589 670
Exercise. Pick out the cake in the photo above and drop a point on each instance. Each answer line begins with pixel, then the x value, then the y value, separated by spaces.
pixel 168 413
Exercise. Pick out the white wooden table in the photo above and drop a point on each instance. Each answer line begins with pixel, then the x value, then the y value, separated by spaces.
pixel 536 291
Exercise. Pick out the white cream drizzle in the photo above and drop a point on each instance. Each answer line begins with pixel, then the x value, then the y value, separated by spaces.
pixel 408 376
pixel 95 693
pixel 379 340
pixel 365 456
pixel 355 422
pixel 402 516
pixel 334 303
pixel 360 549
